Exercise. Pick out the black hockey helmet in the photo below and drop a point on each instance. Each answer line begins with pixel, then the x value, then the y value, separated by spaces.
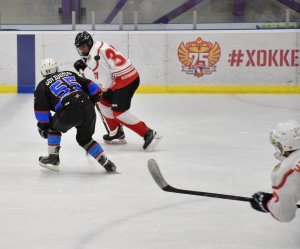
pixel 81 39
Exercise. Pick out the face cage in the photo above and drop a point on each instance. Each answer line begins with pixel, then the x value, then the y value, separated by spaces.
pixel 277 145
pixel 79 51
pixel 81 54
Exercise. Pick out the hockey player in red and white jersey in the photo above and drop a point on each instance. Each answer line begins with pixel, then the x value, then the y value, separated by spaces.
pixel 282 203
pixel 118 80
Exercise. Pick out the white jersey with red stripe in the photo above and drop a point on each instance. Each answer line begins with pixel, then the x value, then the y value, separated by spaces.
pixel 112 70
pixel 286 188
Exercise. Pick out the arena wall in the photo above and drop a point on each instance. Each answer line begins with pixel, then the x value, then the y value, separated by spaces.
pixel 219 61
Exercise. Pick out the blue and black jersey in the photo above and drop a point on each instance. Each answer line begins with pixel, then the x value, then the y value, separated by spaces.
pixel 51 91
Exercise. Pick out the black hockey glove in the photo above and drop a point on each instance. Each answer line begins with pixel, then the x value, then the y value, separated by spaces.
pixel 95 98
pixel 80 65
pixel 260 200
pixel 43 130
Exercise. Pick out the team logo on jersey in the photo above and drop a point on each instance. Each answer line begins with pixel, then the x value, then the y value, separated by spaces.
pixel 199 57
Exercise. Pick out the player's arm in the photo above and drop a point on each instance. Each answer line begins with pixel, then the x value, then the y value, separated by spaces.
pixel 91 88
pixel 104 70
pixel 283 204
pixel 42 110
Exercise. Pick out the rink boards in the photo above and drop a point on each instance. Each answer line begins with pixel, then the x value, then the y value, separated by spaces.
pixel 219 61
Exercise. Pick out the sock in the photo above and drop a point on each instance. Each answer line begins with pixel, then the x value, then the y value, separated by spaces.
pixel 94 149
pixel 132 122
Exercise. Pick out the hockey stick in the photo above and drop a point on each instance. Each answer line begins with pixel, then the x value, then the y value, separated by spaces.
pixel 161 182
pixel 102 117
pixel 97 107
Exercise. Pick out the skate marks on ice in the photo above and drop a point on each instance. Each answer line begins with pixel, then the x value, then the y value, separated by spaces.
pixel 89 239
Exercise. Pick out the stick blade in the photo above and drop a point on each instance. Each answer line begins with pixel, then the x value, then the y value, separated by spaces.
pixel 156 174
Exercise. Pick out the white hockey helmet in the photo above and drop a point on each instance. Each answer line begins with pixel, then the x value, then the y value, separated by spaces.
pixel 48 66
pixel 286 136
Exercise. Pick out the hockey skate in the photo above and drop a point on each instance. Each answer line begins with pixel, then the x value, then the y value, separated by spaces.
pixel 107 164
pixel 151 140
pixel 115 137
pixel 50 162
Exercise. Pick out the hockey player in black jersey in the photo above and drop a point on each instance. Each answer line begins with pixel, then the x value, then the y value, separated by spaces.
pixel 71 100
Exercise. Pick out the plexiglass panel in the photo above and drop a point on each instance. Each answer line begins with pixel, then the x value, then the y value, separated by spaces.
pixel 53 12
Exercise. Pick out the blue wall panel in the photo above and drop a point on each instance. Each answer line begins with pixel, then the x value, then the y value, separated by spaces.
pixel 26 63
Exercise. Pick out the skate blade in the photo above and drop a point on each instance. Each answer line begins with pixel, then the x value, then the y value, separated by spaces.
pixel 156 140
pixel 113 172
pixel 51 167
pixel 116 141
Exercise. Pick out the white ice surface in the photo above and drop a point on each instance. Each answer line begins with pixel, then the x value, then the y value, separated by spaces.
pixel 213 143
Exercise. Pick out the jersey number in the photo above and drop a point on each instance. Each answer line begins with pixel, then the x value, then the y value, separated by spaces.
pixel 118 59
pixel 64 86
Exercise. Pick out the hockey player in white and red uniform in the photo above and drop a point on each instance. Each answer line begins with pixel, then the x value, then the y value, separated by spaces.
pixel 282 203
pixel 118 80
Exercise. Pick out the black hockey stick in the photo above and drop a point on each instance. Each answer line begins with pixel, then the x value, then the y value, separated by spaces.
pixel 97 107
pixel 102 117
pixel 161 182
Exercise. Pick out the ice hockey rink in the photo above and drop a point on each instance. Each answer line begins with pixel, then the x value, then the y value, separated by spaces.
pixel 212 143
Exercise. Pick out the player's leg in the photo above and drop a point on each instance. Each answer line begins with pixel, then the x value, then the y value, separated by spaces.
pixel 52 160
pixel 116 134
pixel 61 121
pixel 120 106
pixel 84 138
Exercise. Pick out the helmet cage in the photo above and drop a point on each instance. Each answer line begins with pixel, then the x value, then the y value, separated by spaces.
pixel 274 141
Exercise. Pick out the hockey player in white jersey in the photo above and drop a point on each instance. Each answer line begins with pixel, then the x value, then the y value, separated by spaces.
pixel 282 203
pixel 118 80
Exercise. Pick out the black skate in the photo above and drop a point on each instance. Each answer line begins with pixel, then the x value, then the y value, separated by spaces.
pixel 50 162
pixel 115 137
pixel 151 140
pixel 107 164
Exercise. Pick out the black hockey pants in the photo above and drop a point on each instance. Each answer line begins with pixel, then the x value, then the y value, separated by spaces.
pixel 77 111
